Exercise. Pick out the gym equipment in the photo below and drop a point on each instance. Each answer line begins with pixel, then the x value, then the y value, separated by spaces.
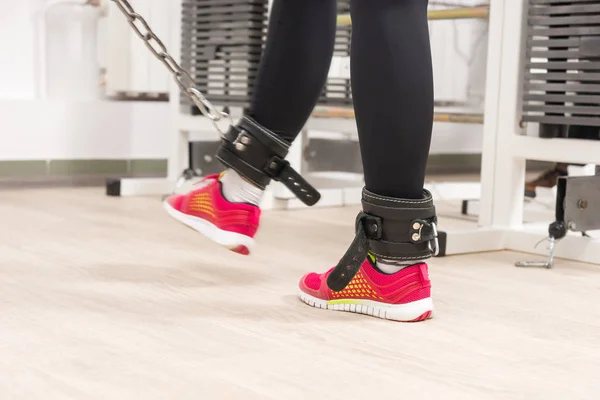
pixel 507 127
pixel 221 46
pixel 397 229
pixel 221 49
pixel 321 151
pixel 562 61
pixel 511 135
pixel 577 210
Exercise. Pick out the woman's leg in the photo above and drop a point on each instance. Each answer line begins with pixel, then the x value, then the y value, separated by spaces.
pixel 383 273
pixel 291 76
pixel 294 65
pixel 293 71
pixel 392 87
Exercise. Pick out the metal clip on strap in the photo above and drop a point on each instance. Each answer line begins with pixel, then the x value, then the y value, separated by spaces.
pixel 259 156
pixel 394 229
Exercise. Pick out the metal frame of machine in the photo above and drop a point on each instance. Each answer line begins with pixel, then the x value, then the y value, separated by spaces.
pixel 506 147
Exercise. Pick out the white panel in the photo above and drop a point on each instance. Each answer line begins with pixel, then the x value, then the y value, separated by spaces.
pixel 140 56
pixel 451 138
pixel 91 129
pixel 131 67
pixel 459 51
pixel 17 41
pixel 340 68
pixel 72 70
pixel 160 17
pixel 117 51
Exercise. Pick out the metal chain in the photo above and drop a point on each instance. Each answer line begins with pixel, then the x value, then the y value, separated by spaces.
pixel 181 76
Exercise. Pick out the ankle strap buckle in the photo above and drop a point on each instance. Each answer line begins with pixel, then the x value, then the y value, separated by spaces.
pixel 435 249
pixel 275 166
pixel 258 155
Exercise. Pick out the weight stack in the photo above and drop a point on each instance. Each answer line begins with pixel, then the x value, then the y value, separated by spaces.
pixel 562 74
pixel 221 46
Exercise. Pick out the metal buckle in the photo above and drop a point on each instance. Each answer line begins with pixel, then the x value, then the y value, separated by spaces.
pixel 435 249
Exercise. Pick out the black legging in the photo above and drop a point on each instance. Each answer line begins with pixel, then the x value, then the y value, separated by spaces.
pixel 392 82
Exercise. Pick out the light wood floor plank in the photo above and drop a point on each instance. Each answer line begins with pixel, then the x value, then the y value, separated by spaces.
pixel 108 298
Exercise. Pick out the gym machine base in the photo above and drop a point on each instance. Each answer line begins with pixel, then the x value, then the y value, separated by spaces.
pixel 506 147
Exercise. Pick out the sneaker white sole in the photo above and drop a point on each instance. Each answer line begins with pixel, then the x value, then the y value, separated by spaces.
pixel 419 310
pixel 231 240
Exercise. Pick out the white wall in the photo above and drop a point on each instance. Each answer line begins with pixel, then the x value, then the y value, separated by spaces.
pixel 76 123
pixel 17 55
pixel 83 130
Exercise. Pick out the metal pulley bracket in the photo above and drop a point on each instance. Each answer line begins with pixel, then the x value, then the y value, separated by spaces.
pixel 578 202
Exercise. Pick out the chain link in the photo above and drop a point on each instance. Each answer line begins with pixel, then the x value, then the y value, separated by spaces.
pixel 182 77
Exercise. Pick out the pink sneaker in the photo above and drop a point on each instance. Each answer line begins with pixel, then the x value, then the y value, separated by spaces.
pixel 403 296
pixel 232 225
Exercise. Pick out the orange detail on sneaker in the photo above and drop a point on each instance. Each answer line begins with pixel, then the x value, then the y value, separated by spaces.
pixel 204 209
pixel 403 296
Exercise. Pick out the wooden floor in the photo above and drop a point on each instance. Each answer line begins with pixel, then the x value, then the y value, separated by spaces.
pixel 107 298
